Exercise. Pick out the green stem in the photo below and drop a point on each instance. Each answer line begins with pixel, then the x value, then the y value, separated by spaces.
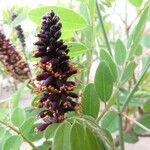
pixel 135 86
pixel 19 133
pixel 110 103
pixel 103 28
pixel 133 120
pixel 120 128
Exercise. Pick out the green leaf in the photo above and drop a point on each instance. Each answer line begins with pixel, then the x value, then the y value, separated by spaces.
pixel 110 121
pixel 27 126
pixel 61 138
pixel 133 102
pixel 2 132
pixel 4 138
pixel 77 137
pixel 34 102
pixel 17 95
pixel 32 136
pixel 136 3
pixel 128 72
pixel 13 143
pixel 108 136
pixel 145 41
pixel 76 49
pixel 146 106
pixel 92 142
pixel 79 133
pixel 50 130
pixel 136 34
pixel 120 52
pixel 84 11
pixel 69 19
pixel 90 101
pixel 105 56
pixel 138 50
pixel 145 121
pixel 66 35
pixel 103 81
pixel 18 116
pixel 21 17
pixel 131 137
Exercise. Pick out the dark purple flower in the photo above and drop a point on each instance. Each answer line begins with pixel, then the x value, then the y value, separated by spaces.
pixel 58 97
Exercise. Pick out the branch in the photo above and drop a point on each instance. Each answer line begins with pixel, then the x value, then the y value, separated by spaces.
pixel 136 85
pixel 134 121
pixel 103 28
pixel 19 133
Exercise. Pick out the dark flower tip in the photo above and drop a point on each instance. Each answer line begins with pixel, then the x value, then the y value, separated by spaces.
pixel 58 97
pixel 19 30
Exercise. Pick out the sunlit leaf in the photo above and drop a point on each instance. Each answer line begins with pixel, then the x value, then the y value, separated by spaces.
pixel 136 3
pixel 76 49
pixel 73 21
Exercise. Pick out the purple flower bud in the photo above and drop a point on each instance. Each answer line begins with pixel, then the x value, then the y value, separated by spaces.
pixel 63 47
pixel 45 59
pixel 59 43
pixel 57 34
pixel 48 81
pixel 43 76
pixel 55 19
pixel 41 127
pixel 39 43
pixel 40 54
pixel 43 113
pixel 41 35
pixel 64 98
pixel 73 95
pixel 44 98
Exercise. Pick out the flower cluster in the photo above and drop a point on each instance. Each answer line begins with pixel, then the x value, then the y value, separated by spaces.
pixel 58 96
pixel 12 61
pixel 19 30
